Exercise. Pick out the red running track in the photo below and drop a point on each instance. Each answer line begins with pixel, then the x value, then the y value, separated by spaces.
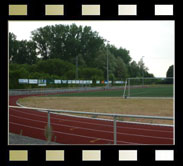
pixel 77 130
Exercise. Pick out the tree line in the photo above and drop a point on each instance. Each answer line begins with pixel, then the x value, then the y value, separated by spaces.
pixel 69 52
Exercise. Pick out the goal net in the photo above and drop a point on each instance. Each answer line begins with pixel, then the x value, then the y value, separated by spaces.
pixel 149 87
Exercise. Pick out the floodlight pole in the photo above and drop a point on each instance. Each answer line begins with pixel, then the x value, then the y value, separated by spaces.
pixel 142 73
pixel 76 67
pixel 128 87
pixel 107 65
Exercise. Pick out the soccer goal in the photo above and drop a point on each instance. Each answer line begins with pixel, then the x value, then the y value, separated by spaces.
pixel 149 87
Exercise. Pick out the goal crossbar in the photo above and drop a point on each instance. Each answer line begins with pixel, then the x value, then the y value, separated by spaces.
pixel 143 85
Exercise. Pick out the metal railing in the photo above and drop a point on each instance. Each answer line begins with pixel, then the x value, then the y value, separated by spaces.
pixel 97 114
pixel 47 91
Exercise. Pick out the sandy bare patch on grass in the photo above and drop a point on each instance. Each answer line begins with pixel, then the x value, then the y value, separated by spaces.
pixel 154 107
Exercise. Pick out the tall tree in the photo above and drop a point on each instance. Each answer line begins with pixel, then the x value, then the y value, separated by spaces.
pixel 43 39
pixel 122 53
pixel 67 42
pixel 142 67
pixel 25 53
pixel 13 47
pixel 54 67
pixel 169 72
pixel 121 69
pixel 134 70
pixel 21 52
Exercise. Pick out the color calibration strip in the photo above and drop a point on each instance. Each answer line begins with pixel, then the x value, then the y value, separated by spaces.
pixel 164 155
pixel 18 10
pixel 91 155
pixel 54 10
pixel 128 10
pixel 127 155
pixel 90 10
pixel 163 10
pixel 18 155
pixel 54 155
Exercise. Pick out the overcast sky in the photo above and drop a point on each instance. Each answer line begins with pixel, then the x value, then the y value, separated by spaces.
pixel 153 40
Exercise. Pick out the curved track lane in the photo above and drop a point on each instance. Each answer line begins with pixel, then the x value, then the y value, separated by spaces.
pixel 78 130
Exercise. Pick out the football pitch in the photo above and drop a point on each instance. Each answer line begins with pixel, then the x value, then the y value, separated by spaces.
pixel 152 91
pixel 111 101
pixel 143 91
pixel 116 105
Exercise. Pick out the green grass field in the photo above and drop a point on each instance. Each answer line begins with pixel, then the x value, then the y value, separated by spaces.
pixel 105 93
pixel 153 91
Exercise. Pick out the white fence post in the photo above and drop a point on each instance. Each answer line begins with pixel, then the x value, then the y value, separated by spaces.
pixel 115 131
pixel 49 125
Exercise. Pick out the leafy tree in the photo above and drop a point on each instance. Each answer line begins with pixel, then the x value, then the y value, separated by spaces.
pixel 122 53
pixel 121 69
pixel 53 51
pixel 21 52
pixel 14 75
pixel 169 72
pixel 13 47
pixel 100 60
pixel 134 70
pixel 54 67
pixel 69 75
pixel 38 75
pixel 142 67
pixel 43 38
pixel 67 42
pixel 91 73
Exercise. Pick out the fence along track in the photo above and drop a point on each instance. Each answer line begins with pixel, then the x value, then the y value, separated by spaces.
pixel 94 113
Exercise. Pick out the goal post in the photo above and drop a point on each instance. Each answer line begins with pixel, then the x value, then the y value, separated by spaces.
pixel 155 87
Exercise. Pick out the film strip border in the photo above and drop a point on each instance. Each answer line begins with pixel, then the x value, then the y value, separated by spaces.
pixel 91 10
pixel 90 155
pixel 16 157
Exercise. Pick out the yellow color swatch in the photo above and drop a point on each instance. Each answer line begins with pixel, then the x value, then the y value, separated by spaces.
pixel 54 155
pixel 91 155
pixel 90 10
pixel 18 155
pixel 17 10
pixel 127 155
pixel 54 10
pixel 127 10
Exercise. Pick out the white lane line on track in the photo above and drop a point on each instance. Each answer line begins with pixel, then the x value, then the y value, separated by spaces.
pixel 77 135
pixel 26 126
pixel 131 128
pixel 122 127
pixel 110 120
pixel 95 130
